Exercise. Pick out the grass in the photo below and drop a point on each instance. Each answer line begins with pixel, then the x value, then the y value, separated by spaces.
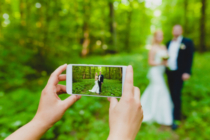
pixel 109 87
pixel 88 118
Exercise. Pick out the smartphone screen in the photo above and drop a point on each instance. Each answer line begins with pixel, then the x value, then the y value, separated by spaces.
pixel 97 80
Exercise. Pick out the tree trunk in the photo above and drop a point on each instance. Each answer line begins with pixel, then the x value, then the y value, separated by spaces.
pixel 81 76
pixel 121 73
pixel 112 25
pixel 127 40
pixel 45 22
pixel 186 31
pixel 86 39
pixel 94 72
pixel 202 26
pixel 1 12
pixel 22 15
pixel 85 43
pixel 109 73
pixel 84 73
pixel 90 72
pixel 78 74
pixel 106 72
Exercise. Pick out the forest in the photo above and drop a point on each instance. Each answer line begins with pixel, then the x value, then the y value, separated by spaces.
pixel 88 72
pixel 84 80
pixel 38 36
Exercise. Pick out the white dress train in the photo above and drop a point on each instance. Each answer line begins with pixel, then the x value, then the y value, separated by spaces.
pixel 95 88
pixel 156 100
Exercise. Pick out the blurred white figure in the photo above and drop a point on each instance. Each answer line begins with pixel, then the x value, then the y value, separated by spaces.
pixel 95 88
pixel 156 101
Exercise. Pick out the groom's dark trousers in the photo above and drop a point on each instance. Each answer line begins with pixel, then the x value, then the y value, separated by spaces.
pixel 175 83
pixel 100 82
pixel 99 86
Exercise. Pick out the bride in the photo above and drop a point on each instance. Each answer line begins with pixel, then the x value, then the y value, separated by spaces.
pixel 96 86
pixel 156 101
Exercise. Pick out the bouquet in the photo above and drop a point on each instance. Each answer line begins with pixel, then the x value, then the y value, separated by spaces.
pixel 166 57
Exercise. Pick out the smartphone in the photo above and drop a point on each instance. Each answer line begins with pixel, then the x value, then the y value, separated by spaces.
pixel 95 80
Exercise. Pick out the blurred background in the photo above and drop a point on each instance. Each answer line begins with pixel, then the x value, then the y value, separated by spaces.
pixel 38 36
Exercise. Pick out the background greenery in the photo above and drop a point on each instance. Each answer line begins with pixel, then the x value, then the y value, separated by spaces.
pixel 109 88
pixel 38 36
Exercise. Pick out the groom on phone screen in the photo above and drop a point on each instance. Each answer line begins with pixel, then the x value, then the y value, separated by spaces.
pixel 180 60
pixel 100 81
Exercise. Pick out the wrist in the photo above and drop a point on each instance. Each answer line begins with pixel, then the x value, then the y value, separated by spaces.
pixel 186 73
pixel 40 124
pixel 120 136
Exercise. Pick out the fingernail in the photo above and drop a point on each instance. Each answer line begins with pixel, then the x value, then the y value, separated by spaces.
pixel 130 66
pixel 78 97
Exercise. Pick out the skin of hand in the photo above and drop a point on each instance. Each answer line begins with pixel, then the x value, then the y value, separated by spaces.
pixel 185 76
pixel 165 63
pixel 125 116
pixel 51 108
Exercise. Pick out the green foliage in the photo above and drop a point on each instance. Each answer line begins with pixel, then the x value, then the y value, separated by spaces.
pixel 109 87
pixel 196 100
pixel 188 14
pixel 89 72
pixel 88 118
pixel 36 37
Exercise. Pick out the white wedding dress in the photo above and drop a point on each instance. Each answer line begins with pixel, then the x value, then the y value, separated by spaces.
pixel 156 100
pixel 95 88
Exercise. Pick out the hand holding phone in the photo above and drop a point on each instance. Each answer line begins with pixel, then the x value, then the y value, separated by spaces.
pixel 51 108
pixel 125 116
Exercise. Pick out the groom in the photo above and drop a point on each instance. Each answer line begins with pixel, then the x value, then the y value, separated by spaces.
pixel 180 52
pixel 100 81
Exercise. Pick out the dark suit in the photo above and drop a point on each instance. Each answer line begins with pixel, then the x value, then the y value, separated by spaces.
pixel 100 81
pixel 175 82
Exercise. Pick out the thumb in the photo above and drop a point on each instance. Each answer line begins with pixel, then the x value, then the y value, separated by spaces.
pixel 70 101
pixel 113 102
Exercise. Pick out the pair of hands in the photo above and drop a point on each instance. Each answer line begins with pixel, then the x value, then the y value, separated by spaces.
pixel 165 63
pixel 185 76
pixel 125 116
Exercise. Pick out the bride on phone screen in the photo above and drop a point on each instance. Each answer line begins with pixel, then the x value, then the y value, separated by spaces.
pixel 95 88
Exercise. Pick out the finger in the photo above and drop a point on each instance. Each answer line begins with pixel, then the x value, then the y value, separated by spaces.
pixel 182 78
pixel 70 101
pixel 62 77
pixel 113 102
pixel 53 80
pixel 137 93
pixel 60 89
pixel 128 84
